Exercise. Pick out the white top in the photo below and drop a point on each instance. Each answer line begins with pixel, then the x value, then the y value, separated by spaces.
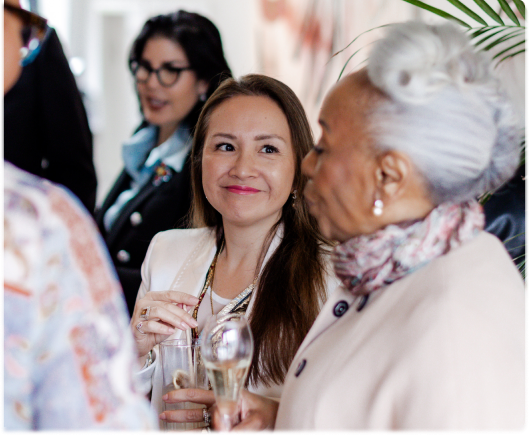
pixel 204 310
pixel 179 260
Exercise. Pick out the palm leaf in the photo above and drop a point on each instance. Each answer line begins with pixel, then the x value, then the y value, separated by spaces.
pixel 523 267
pixel 520 5
pixel 468 11
pixel 507 9
pixel 346 63
pixel 494 34
pixel 481 31
pixel 436 11
pixel 489 11
pixel 507 49
pixel 491 35
pixel 509 56
pixel 363 33
pixel 503 39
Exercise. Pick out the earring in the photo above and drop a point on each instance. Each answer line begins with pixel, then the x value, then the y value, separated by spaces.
pixel 294 195
pixel 378 207
pixel 203 97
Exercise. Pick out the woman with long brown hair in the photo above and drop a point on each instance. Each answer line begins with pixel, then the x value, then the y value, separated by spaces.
pixel 253 247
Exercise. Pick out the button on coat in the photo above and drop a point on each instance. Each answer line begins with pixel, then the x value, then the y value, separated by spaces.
pixel 300 368
pixel 340 308
pixel 136 219
pixel 123 256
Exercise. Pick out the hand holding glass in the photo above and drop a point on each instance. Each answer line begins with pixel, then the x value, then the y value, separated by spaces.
pixel 227 350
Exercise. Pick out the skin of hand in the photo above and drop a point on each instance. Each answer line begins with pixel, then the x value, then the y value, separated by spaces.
pixel 166 313
pixel 257 413
pixel 194 395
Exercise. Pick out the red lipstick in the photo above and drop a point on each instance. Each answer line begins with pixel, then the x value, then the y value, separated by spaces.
pixel 242 190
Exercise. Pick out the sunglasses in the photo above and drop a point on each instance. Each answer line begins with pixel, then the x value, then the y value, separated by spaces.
pixel 33 32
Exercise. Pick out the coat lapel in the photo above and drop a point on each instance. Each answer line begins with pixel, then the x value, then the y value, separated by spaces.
pixel 127 210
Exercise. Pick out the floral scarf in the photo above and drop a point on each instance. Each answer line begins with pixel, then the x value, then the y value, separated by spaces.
pixel 367 262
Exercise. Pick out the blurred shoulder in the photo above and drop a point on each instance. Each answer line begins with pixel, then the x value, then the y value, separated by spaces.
pixel 188 238
pixel 27 196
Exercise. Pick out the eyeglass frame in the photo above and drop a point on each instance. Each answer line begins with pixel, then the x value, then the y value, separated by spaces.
pixel 36 25
pixel 135 65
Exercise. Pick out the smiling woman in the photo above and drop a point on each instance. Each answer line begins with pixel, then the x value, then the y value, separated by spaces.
pixel 254 248
pixel 248 162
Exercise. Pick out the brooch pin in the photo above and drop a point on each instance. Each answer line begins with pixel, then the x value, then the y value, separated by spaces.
pixel 162 174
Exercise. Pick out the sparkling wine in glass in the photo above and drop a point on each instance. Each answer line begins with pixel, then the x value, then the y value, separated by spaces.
pixel 227 350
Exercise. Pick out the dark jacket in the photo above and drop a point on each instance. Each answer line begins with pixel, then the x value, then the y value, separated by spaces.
pixel 46 130
pixel 161 205
pixel 505 215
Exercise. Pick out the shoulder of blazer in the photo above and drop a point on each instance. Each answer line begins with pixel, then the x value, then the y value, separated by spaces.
pixel 175 246
pixel 176 256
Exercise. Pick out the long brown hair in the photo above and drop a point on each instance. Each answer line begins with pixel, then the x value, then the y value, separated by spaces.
pixel 292 284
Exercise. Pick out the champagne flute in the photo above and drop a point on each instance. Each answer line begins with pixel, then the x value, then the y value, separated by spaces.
pixel 227 350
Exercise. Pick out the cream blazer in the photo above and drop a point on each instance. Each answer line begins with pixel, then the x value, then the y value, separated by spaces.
pixel 179 260
pixel 442 348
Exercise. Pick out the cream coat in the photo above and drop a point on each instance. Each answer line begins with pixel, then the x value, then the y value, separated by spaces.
pixel 442 348
pixel 179 260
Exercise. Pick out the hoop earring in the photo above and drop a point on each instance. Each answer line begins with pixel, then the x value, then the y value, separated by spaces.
pixel 378 207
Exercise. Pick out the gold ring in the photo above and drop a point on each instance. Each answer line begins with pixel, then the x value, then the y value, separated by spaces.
pixel 144 314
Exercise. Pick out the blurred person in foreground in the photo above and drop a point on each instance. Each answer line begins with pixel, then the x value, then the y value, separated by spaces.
pixel 177 62
pixel 68 353
pixel 46 129
pixel 427 331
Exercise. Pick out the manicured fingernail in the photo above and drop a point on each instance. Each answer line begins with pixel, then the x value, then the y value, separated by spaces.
pixel 165 397
pixel 161 416
pixel 171 330
pixel 193 322
pixel 185 325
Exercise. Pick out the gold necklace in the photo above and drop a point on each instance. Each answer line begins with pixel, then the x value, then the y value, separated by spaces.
pixel 209 279
pixel 252 285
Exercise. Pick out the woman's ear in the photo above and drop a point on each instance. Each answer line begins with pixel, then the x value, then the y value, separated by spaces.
pixel 393 172
pixel 202 87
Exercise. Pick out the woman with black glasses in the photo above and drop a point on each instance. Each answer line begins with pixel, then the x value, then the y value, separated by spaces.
pixel 178 62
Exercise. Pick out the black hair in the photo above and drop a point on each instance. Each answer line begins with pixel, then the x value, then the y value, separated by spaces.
pixel 201 42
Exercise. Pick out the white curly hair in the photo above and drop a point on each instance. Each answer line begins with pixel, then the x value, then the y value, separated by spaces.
pixel 444 109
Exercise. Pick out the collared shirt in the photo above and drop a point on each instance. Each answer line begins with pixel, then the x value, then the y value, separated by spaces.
pixel 141 161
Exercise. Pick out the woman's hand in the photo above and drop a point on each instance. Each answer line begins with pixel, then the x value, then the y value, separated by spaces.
pixel 257 413
pixel 158 314
pixel 194 395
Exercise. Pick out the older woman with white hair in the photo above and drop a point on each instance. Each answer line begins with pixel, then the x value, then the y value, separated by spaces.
pixel 427 331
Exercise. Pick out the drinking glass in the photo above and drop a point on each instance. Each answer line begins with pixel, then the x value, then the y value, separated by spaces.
pixel 182 367
pixel 227 350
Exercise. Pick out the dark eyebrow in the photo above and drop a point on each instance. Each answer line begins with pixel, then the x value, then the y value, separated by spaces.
pixel 258 137
pixel 269 136
pixel 225 135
